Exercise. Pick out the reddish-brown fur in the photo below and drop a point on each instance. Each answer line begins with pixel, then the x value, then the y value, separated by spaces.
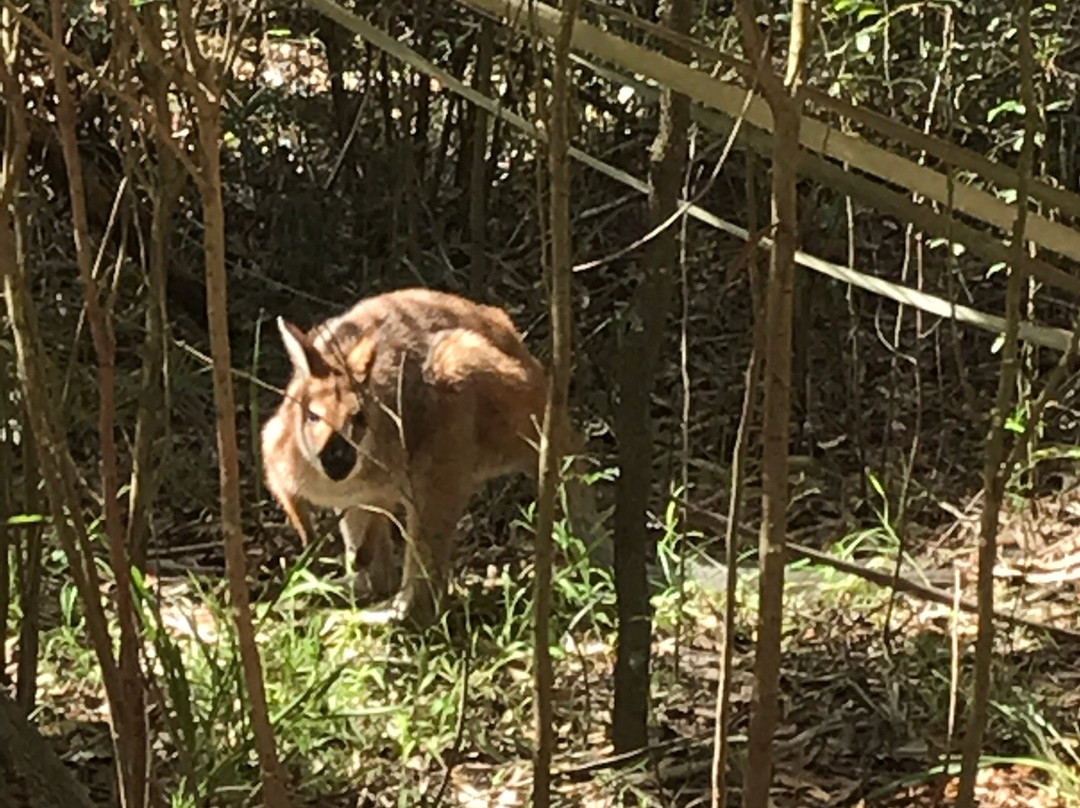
pixel 436 395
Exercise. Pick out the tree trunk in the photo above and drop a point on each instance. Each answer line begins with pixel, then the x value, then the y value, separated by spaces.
pixel 998 461
pixel 204 84
pixel 333 36
pixel 556 410
pixel 16 141
pixel 478 179
pixel 421 103
pixel 638 359
pixel 31 775
pixel 784 102
pixel 26 673
pixel 736 501
pixel 129 713
pixel 152 422
pixel 56 464
pixel 6 544
pixel 34 370
pixel 274 794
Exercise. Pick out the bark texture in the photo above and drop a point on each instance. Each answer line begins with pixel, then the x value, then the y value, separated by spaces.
pixel 784 99
pixel 998 459
pixel 31 774
pixel 556 409
pixel 637 362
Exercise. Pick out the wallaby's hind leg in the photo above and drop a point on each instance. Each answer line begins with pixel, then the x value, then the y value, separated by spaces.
pixel 432 528
pixel 579 503
pixel 582 510
pixel 369 553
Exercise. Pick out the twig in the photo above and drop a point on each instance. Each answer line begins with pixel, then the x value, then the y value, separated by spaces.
pixel 459 729
pixel 784 99
pixel 735 505
pixel 683 207
pixel 73 363
pixel 164 136
pixel 361 108
pixel 584 770
pixel 556 411
pixel 998 459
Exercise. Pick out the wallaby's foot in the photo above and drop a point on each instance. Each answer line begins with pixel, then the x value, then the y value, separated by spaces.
pixel 372 584
pixel 360 585
pixel 414 609
pixel 372 580
pixel 416 606
pixel 380 615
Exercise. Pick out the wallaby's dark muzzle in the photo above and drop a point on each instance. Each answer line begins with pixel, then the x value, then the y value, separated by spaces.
pixel 338 458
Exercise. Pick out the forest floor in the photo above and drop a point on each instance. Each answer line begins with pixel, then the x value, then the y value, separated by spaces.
pixel 369 716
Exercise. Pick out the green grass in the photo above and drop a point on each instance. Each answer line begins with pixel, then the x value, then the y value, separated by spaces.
pixel 356 704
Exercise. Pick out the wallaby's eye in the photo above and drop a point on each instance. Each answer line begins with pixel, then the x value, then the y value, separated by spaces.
pixel 312 416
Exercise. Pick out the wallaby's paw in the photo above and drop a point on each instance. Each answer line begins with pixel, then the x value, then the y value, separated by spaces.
pixel 407 609
pixel 415 608
pixel 383 580
pixel 383 615
pixel 363 589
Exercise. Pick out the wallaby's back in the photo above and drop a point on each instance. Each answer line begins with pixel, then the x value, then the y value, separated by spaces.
pixel 442 361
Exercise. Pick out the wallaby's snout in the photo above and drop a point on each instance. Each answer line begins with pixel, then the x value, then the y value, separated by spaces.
pixel 338 457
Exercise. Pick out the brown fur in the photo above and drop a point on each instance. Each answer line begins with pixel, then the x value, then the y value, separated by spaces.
pixel 438 394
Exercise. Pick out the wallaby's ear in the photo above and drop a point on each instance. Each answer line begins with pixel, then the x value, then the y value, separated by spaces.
pixel 306 360
pixel 361 357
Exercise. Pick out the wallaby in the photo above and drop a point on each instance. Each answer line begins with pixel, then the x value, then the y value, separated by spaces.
pixel 408 402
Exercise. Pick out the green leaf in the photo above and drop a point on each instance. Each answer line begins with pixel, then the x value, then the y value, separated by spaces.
pixel 875 483
pixel 28 519
pixel 1002 108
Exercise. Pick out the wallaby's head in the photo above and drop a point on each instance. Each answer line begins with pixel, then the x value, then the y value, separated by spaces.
pixel 326 399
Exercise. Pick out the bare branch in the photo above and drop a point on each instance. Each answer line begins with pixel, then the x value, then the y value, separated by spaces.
pixel 556 411
pixel 997 466
pixel 133 106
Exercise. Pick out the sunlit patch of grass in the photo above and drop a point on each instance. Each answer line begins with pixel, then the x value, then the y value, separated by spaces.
pixel 357 706
pixel 1055 753
pixel 65 646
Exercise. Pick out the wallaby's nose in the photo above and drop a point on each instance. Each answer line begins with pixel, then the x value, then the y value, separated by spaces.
pixel 338 458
